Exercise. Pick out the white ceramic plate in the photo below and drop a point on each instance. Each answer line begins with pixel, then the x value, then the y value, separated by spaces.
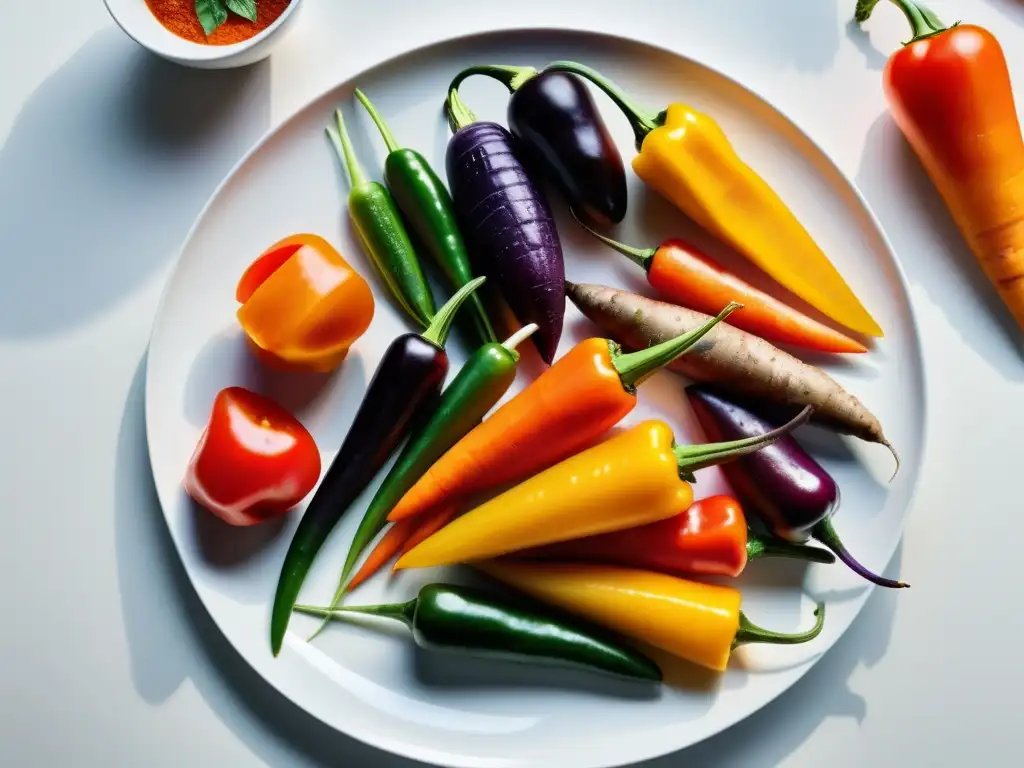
pixel 370 682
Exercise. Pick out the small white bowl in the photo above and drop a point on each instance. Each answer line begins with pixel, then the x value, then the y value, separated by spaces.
pixel 139 23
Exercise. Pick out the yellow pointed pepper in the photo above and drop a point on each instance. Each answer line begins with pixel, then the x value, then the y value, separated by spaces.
pixel 698 622
pixel 685 157
pixel 631 479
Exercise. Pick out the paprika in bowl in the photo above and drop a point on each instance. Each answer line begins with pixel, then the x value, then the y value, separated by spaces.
pixel 176 38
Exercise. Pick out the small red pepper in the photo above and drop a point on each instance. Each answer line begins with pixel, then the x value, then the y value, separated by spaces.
pixel 710 538
pixel 254 460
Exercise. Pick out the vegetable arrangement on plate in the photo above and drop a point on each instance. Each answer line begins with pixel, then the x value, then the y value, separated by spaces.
pixel 595 522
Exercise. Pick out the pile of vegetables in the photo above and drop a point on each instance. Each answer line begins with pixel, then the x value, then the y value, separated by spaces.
pixel 541 493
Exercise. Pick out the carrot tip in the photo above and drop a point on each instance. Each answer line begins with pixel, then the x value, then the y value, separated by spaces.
pixel 895 456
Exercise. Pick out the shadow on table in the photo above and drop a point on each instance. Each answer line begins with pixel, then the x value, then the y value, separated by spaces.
pixel 114 153
pixel 171 637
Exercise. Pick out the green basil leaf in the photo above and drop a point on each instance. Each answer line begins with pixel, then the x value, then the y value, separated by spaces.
pixel 244 8
pixel 211 13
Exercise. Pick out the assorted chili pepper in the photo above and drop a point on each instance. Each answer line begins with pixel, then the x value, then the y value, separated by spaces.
pixel 426 208
pixel 634 478
pixel 686 157
pixel 710 538
pixel 783 484
pixel 575 401
pixel 462 620
pixel 405 386
pixel 949 91
pixel 601 525
pixel 380 229
pixel 685 275
pixel 554 116
pixel 480 383
pixel 698 622
pixel 507 223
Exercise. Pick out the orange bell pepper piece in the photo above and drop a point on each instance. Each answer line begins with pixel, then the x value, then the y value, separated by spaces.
pixel 303 305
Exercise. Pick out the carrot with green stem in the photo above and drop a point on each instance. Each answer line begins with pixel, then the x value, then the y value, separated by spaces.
pixel 734 359
pixel 586 392
pixel 682 273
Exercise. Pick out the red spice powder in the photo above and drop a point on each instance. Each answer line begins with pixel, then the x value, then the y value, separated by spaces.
pixel 179 16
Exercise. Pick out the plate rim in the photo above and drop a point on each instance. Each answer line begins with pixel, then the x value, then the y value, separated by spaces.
pixel 399 747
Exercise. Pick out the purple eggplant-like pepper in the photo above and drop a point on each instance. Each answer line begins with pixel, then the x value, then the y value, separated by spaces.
pixel 782 483
pixel 507 224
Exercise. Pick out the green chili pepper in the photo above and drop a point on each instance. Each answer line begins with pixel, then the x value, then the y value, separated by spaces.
pixel 382 233
pixel 479 385
pixel 456 619
pixel 427 208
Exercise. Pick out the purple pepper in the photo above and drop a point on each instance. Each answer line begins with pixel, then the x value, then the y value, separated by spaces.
pixel 781 483
pixel 507 224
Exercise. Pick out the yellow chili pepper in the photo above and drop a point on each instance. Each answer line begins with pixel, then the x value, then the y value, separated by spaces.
pixel 634 478
pixel 687 158
pixel 698 622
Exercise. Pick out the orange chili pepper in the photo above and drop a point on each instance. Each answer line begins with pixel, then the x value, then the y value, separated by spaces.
pixel 949 91
pixel 586 392
pixel 685 275
pixel 303 305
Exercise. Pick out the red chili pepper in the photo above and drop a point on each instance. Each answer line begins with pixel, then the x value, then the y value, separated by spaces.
pixel 710 538
pixel 253 462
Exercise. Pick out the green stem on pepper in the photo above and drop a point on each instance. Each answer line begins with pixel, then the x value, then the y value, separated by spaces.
pixel 751 633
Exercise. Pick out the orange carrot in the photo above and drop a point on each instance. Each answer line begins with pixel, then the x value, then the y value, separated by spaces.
pixel 390 545
pixel 570 405
pixel 685 275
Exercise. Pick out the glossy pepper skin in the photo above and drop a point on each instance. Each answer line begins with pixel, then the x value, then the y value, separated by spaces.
pixel 382 234
pixel 633 478
pixel 950 93
pixel 709 538
pixel 254 460
pixel 427 210
pixel 698 622
pixel 685 275
pixel 471 622
pixel 687 158
pixel 302 305
pixel 480 383
pixel 555 117
pixel 569 406
pixel 782 484
pixel 407 381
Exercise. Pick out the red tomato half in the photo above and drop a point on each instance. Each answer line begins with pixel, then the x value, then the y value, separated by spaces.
pixel 254 462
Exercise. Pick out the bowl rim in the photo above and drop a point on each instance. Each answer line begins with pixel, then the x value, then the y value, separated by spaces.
pixel 192 51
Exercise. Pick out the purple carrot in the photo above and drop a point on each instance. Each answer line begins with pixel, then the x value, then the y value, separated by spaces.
pixel 781 483
pixel 507 224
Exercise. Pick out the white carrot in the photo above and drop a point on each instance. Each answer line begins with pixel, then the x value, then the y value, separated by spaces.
pixel 726 356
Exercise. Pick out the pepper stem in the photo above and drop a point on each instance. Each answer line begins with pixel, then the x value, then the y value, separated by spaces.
pixel 642 121
pixel 640 257
pixel 385 132
pixel 694 457
pixel 347 155
pixel 636 367
pixel 751 633
pixel 459 115
pixel 437 331
pixel 518 338
pixel 759 546
pixel 825 533
pixel 509 76
pixel 403 612
pixel 923 21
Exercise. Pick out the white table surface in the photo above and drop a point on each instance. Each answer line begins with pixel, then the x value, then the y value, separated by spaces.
pixel 106 656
